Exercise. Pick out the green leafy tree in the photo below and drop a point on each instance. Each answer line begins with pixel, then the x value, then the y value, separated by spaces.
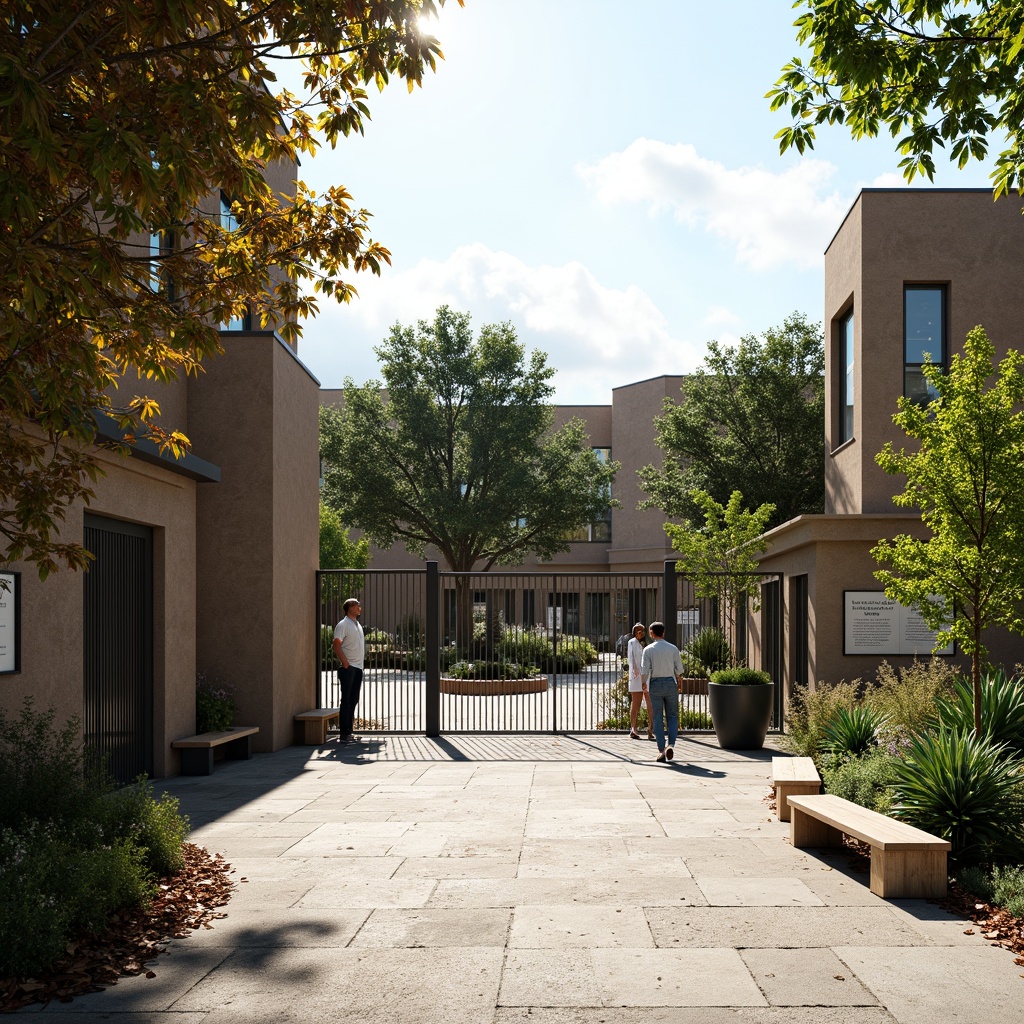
pixel 752 419
pixel 935 74
pixel 720 555
pixel 337 551
pixel 124 125
pixel 458 453
pixel 966 475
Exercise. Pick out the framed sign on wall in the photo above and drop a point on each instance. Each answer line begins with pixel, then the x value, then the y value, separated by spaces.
pixel 10 622
pixel 876 624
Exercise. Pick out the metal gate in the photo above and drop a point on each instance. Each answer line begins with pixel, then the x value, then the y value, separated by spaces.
pixel 117 706
pixel 522 652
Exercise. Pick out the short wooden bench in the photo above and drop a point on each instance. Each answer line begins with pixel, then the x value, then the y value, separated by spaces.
pixel 313 725
pixel 197 751
pixel 793 776
pixel 905 862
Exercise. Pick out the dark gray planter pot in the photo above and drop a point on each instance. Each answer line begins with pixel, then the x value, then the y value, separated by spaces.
pixel 740 714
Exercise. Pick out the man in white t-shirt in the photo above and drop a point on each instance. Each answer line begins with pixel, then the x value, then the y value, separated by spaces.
pixel 349 649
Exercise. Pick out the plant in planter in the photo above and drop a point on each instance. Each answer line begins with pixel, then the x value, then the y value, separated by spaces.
pixel 740 701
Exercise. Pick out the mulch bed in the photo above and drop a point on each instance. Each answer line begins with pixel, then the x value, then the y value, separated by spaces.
pixel 184 902
pixel 996 925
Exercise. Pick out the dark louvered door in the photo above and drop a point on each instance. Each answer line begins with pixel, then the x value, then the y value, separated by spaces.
pixel 118 627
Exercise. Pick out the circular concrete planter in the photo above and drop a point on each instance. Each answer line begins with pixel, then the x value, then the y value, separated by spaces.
pixel 740 714
pixel 493 687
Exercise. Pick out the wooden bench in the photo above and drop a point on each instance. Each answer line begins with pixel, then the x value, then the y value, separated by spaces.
pixel 793 776
pixel 905 862
pixel 313 725
pixel 197 751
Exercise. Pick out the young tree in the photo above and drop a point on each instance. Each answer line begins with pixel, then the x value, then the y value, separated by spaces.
pixel 752 419
pixel 933 73
pixel 337 551
pixel 136 213
pixel 966 475
pixel 720 556
pixel 458 452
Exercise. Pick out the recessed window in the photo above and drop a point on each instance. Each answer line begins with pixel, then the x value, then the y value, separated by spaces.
pixel 846 380
pixel 924 337
pixel 599 531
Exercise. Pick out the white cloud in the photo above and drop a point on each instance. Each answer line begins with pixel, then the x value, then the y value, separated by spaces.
pixel 720 316
pixel 595 336
pixel 769 218
pixel 890 180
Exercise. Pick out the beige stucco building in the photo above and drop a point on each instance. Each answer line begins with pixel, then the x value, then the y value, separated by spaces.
pixel 909 272
pixel 202 564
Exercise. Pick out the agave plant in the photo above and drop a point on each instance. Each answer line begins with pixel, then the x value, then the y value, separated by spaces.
pixel 852 730
pixel 964 788
pixel 708 650
pixel 1002 709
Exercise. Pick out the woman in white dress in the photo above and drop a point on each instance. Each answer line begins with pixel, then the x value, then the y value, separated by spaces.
pixel 634 652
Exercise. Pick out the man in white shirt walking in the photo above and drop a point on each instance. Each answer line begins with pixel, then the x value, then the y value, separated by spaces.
pixel 661 669
pixel 349 649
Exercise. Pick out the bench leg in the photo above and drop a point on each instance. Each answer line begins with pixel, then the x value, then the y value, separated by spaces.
pixel 316 731
pixel 806 831
pixel 784 790
pixel 197 761
pixel 908 874
pixel 239 750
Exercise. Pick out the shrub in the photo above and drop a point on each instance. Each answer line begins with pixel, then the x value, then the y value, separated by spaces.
pixel 72 849
pixel 1002 709
pixel 809 711
pixel 327 659
pixel 966 789
pixel 615 704
pixel 905 697
pixel 491 670
pixel 707 651
pixel 977 880
pixel 690 718
pixel 1008 889
pixel 573 652
pixel 866 780
pixel 529 644
pixel 409 634
pixel 741 677
pixel 215 707
pixel 852 731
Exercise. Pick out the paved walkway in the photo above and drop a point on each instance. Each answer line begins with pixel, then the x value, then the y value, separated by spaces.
pixel 550 880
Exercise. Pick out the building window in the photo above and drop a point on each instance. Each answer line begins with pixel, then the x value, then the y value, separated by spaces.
pixel 161 245
pixel 600 530
pixel 846 383
pixel 924 337
pixel 229 222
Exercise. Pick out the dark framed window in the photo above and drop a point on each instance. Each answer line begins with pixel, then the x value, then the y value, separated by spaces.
pixel 229 222
pixel 847 392
pixel 161 245
pixel 924 337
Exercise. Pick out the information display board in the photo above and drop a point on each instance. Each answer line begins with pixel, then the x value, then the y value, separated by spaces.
pixel 876 624
pixel 10 622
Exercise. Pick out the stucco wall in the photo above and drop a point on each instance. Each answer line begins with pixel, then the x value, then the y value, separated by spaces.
pixel 254 414
pixel 52 610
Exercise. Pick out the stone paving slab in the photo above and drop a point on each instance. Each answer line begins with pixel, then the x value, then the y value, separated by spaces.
pixel 541 880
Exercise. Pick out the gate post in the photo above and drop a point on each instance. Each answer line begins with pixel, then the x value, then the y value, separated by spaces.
pixel 668 601
pixel 432 703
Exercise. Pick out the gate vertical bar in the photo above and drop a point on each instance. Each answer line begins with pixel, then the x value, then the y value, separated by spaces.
pixel 668 601
pixel 432 705
pixel 318 659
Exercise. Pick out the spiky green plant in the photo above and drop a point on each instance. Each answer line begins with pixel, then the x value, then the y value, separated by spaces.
pixel 1002 709
pixel 852 730
pixel 964 788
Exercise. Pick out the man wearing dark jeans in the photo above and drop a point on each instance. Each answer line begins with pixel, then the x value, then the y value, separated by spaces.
pixel 349 649
pixel 661 669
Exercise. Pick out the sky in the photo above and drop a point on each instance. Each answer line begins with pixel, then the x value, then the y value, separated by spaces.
pixel 602 175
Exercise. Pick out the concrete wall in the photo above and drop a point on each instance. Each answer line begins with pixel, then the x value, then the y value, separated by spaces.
pixel 52 610
pixel 254 413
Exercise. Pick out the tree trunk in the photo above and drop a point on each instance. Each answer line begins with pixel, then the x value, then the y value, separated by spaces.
pixel 976 670
pixel 464 616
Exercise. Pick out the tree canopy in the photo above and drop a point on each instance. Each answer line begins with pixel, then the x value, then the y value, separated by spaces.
pixel 458 451
pixel 935 74
pixel 751 419
pixel 720 554
pixel 136 214
pixel 966 475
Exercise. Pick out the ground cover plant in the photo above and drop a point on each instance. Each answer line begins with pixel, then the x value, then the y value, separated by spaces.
pixel 73 849
pixel 615 707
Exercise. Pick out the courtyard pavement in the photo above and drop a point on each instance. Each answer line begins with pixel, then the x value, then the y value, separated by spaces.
pixel 545 879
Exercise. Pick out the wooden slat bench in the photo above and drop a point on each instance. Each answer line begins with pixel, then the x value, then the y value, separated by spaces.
pixel 793 776
pixel 197 751
pixel 313 725
pixel 905 862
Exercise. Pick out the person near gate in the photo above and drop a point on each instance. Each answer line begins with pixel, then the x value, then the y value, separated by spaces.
pixel 634 652
pixel 349 649
pixel 661 672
